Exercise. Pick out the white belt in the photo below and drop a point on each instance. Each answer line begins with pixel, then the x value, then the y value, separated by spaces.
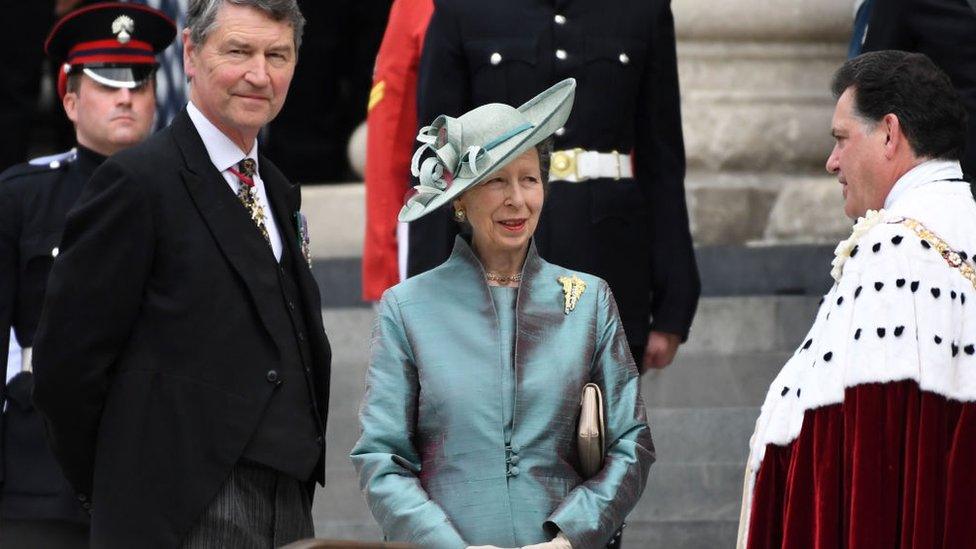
pixel 575 165
pixel 25 359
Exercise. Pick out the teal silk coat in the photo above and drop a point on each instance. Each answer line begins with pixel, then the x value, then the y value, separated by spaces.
pixel 433 461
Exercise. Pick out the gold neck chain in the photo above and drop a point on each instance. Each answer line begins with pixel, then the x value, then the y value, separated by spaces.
pixel 502 279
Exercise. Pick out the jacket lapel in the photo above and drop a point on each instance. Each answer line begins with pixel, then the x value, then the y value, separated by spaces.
pixel 228 221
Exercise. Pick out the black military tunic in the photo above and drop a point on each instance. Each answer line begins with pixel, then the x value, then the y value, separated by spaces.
pixel 34 201
pixel 631 232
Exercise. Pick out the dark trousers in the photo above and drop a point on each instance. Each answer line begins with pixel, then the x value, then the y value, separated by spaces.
pixel 256 508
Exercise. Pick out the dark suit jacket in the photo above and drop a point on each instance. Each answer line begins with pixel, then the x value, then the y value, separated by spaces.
pixel 944 30
pixel 152 358
pixel 633 233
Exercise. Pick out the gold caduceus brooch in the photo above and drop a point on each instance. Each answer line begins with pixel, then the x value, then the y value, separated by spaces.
pixel 573 287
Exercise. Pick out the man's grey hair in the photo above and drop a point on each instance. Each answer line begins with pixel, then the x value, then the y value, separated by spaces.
pixel 201 16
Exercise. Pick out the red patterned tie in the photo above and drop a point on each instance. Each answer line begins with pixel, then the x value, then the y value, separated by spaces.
pixel 245 174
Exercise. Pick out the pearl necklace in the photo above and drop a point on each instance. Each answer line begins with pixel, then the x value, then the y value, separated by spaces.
pixel 502 279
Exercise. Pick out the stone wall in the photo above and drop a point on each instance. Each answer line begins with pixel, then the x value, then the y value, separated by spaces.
pixel 755 77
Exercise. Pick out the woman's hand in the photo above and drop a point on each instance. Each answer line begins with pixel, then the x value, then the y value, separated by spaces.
pixel 558 542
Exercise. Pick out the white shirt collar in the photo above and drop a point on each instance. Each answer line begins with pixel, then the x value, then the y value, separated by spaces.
pixel 926 172
pixel 223 152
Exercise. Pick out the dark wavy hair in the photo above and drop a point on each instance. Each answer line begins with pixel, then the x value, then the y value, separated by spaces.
pixel 911 87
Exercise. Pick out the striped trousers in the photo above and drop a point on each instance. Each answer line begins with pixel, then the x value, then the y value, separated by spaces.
pixel 256 508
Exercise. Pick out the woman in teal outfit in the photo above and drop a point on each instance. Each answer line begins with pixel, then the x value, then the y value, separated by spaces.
pixel 473 389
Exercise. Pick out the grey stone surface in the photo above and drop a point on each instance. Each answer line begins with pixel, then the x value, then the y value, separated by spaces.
pixel 710 381
pixel 681 492
pixel 728 215
pixel 681 535
pixel 809 210
pixel 702 436
pixel 749 325
pixel 336 218
pixel 765 270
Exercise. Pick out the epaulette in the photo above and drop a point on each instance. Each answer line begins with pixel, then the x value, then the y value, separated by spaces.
pixel 40 165
pixel 55 161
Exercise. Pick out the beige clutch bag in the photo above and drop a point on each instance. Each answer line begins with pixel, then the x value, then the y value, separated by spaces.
pixel 591 431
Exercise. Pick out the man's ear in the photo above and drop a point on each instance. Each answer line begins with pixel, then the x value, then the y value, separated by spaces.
pixel 70 104
pixel 189 49
pixel 894 136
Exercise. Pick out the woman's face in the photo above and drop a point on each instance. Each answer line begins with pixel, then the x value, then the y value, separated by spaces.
pixel 504 209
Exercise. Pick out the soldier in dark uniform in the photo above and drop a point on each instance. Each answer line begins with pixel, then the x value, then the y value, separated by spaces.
pixel 107 88
pixel 616 204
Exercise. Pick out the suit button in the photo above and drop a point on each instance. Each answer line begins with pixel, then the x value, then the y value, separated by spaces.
pixel 561 55
pixel 559 19
pixel 514 460
pixel 82 497
pixel 272 376
pixel 319 440
pixel 308 370
pixel 560 132
pixel 514 471
pixel 301 336
pixel 86 506
pixel 495 58
pixel 291 305
pixel 624 59
pixel 515 448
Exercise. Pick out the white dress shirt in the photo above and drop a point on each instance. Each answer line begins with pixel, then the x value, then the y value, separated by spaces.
pixel 225 155
pixel 930 171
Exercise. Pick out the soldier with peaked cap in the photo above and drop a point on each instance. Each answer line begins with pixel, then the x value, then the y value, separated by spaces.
pixel 107 89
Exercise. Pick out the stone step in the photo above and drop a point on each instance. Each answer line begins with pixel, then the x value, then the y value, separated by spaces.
pixel 712 380
pixel 681 535
pixel 696 436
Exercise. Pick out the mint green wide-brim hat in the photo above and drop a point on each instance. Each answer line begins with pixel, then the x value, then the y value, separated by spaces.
pixel 469 148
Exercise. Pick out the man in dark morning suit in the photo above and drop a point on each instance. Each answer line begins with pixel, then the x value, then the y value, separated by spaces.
pixel 108 94
pixel 945 31
pixel 188 405
pixel 616 204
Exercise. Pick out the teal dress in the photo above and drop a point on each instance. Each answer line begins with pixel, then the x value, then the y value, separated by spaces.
pixel 472 398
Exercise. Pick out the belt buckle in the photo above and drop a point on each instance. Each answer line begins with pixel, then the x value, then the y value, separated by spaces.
pixel 564 164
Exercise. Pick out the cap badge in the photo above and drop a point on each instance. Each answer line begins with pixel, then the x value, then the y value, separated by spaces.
pixel 122 28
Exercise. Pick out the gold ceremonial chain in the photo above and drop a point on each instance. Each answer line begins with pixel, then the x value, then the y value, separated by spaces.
pixel 951 256
pixel 501 279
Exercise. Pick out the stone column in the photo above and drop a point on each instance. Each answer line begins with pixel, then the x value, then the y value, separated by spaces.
pixel 755 77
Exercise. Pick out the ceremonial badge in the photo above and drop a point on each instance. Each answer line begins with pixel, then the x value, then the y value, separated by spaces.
pixel 301 224
pixel 122 28
pixel 573 288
